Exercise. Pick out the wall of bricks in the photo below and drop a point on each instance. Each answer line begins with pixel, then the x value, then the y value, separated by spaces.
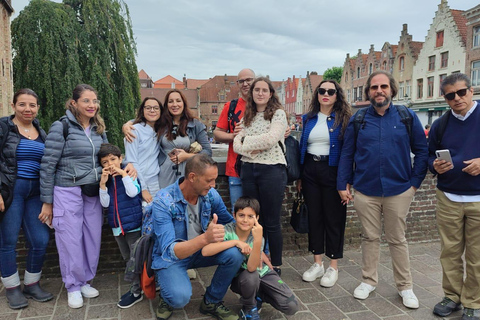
pixel 421 228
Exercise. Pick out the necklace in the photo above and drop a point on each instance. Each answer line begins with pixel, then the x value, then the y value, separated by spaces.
pixel 26 130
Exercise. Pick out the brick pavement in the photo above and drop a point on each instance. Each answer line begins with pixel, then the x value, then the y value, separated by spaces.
pixel 315 302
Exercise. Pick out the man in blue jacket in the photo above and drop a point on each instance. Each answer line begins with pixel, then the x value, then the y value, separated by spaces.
pixel 458 197
pixel 384 181
pixel 187 216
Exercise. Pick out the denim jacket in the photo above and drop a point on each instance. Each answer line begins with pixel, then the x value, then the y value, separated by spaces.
pixel 170 220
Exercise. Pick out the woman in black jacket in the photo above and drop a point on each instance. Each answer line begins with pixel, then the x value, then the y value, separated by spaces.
pixel 20 203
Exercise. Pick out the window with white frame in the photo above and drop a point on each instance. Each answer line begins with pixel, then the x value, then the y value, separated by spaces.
pixel 476 36
pixel 476 73
pixel 430 87
pixel 408 89
pixel 360 89
pixel 401 90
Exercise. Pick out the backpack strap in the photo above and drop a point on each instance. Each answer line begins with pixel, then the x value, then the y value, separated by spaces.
pixel 65 128
pixel 359 122
pixel 442 125
pixel 406 118
pixel 231 112
pixel 3 132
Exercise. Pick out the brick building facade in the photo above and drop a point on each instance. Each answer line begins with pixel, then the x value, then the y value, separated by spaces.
pixel 6 71
pixel 472 60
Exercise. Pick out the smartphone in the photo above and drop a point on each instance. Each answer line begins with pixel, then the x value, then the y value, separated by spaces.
pixel 444 155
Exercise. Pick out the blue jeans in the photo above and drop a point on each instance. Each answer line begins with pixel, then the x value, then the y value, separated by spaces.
pixel 23 212
pixel 176 288
pixel 235 187
pixel 267 183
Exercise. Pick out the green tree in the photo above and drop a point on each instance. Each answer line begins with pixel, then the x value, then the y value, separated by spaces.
pixel 333 73
pixel 94 44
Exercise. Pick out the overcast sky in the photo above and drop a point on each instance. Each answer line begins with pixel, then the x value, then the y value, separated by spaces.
pixel 279 38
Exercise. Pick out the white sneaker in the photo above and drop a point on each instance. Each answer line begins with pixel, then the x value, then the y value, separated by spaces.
pixel 313 273
pixel 409 299
pixel 330 278
pixel 363 291
pixel 88 291
pixel 192 274
pixel 75 299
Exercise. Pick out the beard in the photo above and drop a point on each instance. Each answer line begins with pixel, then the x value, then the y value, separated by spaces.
pixel 384 103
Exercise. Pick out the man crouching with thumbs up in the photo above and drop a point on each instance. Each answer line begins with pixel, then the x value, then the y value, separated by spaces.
pixel 187 216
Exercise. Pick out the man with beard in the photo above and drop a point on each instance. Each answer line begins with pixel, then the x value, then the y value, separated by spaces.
pixel 384 181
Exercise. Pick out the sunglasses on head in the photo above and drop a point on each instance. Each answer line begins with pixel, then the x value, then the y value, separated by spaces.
pixel 451 95
pixel 330 92
pixel 175 131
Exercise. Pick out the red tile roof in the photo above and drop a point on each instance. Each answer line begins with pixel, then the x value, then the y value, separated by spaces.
pixel 142 75
pixel 461 21
pixel 195 83
pixel 416 47
pixel 394 49
pixel 166 83
pixel 210 91
pixel 315 80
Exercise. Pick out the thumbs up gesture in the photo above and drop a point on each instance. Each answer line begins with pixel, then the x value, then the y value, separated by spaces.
pixel 215 232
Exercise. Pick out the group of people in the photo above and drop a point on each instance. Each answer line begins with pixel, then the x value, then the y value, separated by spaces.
pixel 164 189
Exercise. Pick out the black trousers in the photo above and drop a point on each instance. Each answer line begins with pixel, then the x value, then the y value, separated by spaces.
pixel 267 183
pixel 326 213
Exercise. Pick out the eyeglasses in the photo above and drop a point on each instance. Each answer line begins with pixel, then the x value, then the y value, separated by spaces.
pixel 87 101
pixel 156 109
pixel 382 86
pixel 460 93
pixel 330 92
pixel 242 81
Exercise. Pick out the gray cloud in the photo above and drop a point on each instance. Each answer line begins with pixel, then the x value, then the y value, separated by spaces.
pixel 280 38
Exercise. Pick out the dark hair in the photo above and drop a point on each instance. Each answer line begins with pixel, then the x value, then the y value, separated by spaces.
pixel 24 91
pixel 454 78
pixel 393 83
pixel 199 163
pixel 342 109
pixel 141 113
pixel 247 202
pixel 166 119
pixel 273 103
pixel 76 94
pixel 108 149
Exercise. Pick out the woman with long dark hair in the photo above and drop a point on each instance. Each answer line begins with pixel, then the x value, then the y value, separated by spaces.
pixel 320 145
pixel 263 172
pixel 179 129
pixel 20 202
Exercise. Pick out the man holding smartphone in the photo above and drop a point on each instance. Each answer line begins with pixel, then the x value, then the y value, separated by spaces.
pixel 458 197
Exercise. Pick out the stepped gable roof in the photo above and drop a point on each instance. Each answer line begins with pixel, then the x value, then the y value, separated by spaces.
pixel 277 84
pixel 461 22
pixel 142 75
pixel 209 92
pixel 195 83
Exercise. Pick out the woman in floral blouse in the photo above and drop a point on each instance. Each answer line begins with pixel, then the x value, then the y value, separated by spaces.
pixel 263 172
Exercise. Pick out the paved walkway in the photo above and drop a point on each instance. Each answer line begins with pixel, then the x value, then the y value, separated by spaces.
pixel 315 302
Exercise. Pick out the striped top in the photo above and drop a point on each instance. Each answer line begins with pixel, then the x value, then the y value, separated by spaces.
pixel 29 157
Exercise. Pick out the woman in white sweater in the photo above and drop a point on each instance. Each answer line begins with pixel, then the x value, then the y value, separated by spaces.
pixel 263 172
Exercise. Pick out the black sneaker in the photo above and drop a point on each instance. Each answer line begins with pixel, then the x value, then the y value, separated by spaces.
pixel 471 314
pixel 164 311
pixel 278 271
pixel 251 314
pixel 217 310
pixel 446 307
pixel 128 300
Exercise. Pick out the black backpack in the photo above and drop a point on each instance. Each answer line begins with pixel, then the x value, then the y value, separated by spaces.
pixel 406 118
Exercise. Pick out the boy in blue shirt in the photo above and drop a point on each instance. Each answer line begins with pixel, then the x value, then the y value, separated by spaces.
pixel 256 281
pixel 121 195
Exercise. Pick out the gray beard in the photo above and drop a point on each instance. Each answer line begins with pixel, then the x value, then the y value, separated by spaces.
pixel 385 102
